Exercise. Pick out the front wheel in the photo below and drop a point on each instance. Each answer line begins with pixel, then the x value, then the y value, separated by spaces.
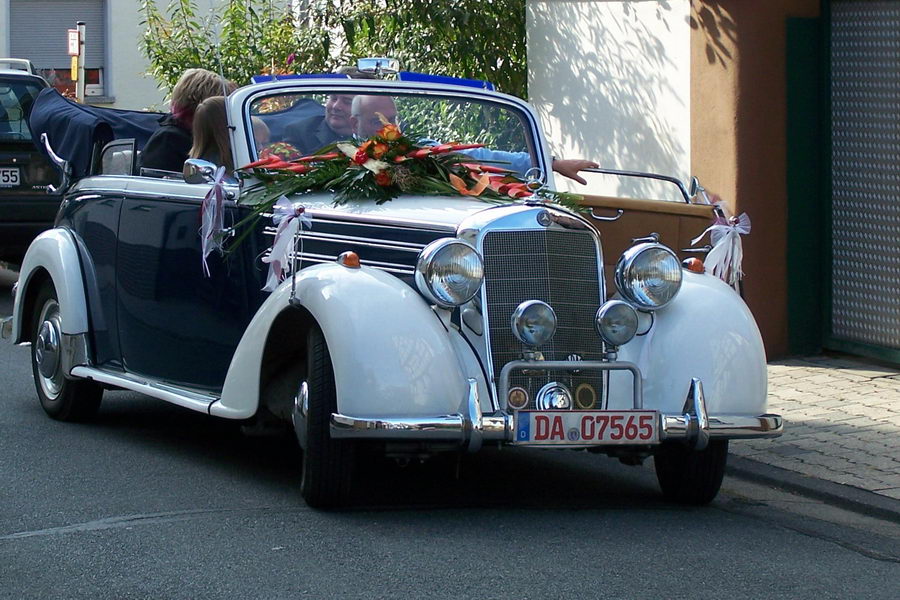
pixel 689 476
pixel 63 399
pixel 328 464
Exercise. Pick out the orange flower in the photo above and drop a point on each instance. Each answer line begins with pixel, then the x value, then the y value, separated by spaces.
pixel 379 149
pixel 383 178
pixel 389 132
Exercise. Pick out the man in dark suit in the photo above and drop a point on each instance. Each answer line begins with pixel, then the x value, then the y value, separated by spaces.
pixel 312 133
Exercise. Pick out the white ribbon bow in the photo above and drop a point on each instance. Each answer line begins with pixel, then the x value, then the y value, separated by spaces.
pixel 288 217
pixel 212 218
pixel 727 254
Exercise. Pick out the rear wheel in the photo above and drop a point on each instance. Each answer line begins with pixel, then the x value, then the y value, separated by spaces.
pixel 689 476
pixel 63 399
pixel 328 464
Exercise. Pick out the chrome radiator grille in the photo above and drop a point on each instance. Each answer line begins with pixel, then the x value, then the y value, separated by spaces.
pixel 558 267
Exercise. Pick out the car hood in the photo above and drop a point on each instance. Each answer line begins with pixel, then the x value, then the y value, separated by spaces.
pixel 439 212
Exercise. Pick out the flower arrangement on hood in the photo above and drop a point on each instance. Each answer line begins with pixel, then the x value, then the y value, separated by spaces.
pixel 381 168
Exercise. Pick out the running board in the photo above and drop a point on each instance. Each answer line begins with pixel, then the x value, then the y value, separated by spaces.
pixel 187 398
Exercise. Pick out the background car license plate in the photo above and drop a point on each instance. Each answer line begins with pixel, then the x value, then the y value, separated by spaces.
pixel 9 176
pixel 589 427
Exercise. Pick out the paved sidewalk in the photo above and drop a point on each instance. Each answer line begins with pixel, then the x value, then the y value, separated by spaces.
pixel 842 423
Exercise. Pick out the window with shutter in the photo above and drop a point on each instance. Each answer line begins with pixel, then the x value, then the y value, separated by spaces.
pixel 38 33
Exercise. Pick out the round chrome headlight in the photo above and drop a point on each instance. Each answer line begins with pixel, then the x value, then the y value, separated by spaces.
pixel 533 322
pixel 648 276
pixel 449 272
pixel 616 322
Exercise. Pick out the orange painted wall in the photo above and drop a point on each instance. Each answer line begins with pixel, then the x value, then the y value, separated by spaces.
pixel 738 137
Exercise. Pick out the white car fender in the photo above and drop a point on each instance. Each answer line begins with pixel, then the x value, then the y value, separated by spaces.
pixel 55 252
pixel 706 332
pixel 390 353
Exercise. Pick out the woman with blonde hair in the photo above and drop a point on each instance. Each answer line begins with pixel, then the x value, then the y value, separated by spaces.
pixel 168 147
pixel 211 140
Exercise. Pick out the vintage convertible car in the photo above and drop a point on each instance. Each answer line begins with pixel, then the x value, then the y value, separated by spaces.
pixel 422 324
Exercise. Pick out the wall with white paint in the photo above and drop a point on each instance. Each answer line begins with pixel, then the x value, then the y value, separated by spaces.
pixel 611 80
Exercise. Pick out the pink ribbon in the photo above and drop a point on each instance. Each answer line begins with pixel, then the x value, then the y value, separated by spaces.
pixel 212 218
pixel 288 217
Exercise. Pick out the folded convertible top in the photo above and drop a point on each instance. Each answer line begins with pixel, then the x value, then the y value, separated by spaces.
pixel 74 129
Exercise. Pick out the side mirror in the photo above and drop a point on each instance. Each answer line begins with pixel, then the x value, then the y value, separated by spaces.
pixel 698 192
pixel 197 170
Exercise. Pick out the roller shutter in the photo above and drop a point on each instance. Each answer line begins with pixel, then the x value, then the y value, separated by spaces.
pixel 38 31
pixel 865 168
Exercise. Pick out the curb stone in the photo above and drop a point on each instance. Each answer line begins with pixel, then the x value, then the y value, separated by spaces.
pixel 843 496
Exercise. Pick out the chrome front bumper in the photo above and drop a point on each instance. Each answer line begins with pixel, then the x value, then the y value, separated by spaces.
pixel 470 428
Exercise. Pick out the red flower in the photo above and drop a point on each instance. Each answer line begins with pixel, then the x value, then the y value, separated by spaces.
pixel 362 154
pixel 262 162
pixel 383 178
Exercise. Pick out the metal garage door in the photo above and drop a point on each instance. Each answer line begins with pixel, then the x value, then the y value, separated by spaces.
pixel 38 31
pixel 865 172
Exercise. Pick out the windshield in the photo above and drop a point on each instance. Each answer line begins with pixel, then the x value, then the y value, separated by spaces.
pixel 16 98
pixel 293 125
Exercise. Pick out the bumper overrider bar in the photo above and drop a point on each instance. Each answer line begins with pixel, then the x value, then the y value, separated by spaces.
pixel 471 428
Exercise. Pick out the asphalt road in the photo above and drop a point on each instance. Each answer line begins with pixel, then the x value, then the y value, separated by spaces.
pixel 154 501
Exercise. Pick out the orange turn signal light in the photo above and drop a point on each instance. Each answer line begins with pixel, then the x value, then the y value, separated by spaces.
pixel 349 259
pixel 693 264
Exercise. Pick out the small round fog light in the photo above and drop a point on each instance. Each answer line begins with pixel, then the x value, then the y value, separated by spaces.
pixel 533 322
pixel 517 398
pixel 585 396
pixel 616 322
pixel 553 396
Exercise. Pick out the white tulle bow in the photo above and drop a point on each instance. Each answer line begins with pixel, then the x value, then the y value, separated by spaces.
pixel 288 217
pixel 725 258
pixel 212 218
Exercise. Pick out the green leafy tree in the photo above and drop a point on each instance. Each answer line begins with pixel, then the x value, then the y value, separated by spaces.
pixel 241 39
pixel 481 39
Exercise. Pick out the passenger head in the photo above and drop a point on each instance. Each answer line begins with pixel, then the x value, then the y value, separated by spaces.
pixel 261 133
pixel 337 113
pixel 367 112
pixel 211 140
pixel 337 106
pixel 195 86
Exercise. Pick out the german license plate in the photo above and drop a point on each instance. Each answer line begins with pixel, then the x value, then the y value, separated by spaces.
pixel 587 427
pixel 9 177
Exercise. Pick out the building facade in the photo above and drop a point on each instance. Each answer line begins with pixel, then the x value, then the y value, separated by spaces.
pixel 788 109
pixel 115 66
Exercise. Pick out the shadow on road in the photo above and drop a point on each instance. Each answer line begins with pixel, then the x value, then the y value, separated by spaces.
pixel 524 478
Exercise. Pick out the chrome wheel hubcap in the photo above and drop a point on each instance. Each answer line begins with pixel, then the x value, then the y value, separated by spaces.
pixel 47 350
